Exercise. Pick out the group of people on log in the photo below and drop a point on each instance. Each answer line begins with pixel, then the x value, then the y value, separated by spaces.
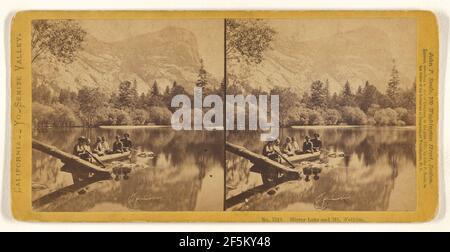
pixel 101 146
pixel 273 149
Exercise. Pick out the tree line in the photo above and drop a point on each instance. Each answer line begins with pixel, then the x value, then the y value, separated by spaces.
pixel 366 106
pixel 91 107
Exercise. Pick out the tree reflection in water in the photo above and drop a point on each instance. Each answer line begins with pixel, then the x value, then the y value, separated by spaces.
pixel 186 175
pixel 378 172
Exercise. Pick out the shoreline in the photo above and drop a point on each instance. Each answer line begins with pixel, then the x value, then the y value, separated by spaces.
pixel 347 126
pixel 133 126
pixel 107 127
pixel 221 128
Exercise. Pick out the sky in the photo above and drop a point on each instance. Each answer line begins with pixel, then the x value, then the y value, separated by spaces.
pixel 209 34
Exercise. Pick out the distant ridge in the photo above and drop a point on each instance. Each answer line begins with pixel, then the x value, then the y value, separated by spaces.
pixel 356 55
pixel 168 55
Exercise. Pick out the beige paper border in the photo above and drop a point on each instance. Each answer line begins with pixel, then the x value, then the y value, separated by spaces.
pixel 426 126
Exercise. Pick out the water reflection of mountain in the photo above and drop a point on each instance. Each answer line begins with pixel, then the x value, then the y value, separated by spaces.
pixel 172 181
pixel 378 172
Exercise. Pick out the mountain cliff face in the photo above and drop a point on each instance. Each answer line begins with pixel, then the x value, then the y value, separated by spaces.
pixel 356 56
pixel 171 54
pixel 165 56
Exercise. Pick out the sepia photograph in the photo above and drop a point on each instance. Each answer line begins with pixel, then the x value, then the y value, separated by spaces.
pixel 101 115
pixel 347 114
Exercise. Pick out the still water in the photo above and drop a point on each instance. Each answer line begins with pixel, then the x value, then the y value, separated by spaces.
pixel 186 175
pixel 378 172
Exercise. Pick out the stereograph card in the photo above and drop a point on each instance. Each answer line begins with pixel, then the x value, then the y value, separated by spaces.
pixel 208 116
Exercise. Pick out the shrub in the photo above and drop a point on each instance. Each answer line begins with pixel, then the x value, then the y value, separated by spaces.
pixel 371 121
pixel 372 109
pixel 140 116
pixel 160 115
pixel 410 118
pixel 113 116
pixel 63 116
pixel 353 116
pixel 58 115
pixel 400 123
pixel 386 117
pixel 332 117
pixel 291 118
pixel 315 118
pixel 303 116
pixel 123 118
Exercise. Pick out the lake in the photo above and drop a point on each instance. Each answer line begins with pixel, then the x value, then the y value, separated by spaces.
pixel 378 172
pixel 186 175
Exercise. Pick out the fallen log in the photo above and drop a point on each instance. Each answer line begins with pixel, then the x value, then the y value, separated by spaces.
pixel 71 161
pixel 259 160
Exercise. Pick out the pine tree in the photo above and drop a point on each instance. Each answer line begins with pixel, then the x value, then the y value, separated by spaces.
pixel 318 95
pixel 369 96
pixel 393 88
pixel 347 98
pixel 306 99
pixel 176 89
pixel 91 101
pixel 347 91
pixel 155 90
pixel 167 98
pixel 359 91
pixel 167 91
pixel 142 101
pixel 127 97
pixel 202 75
pixel 334 101
pixel 408 100
pixel 358 96
pixel 134 93
pixel 327 92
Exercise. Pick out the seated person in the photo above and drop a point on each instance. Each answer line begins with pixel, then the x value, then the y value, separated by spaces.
pixel 317 143
pixel 288 149
pixel 307 145
pixel 117 145
pixel 80 149
pixel 276 146
pixel 269 151
pixel 295 146
pixel 87 144
pixel 126 141
pixel 269 175
pixel 98 147
pixel 105 146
